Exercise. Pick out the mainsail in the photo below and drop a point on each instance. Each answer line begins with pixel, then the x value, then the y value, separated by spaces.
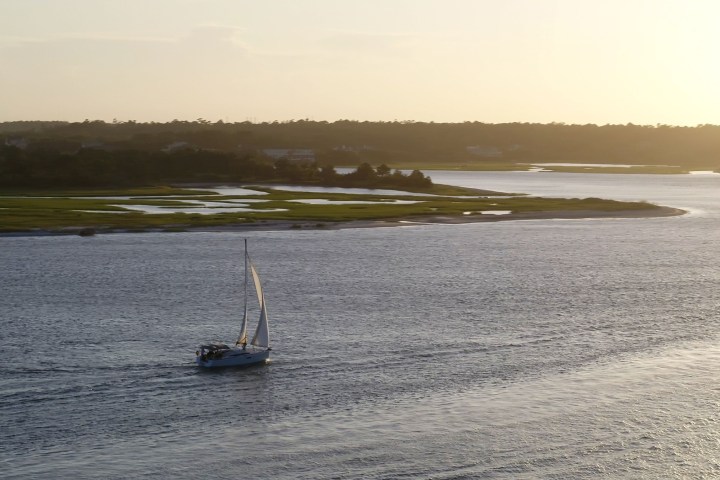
pixel 242 338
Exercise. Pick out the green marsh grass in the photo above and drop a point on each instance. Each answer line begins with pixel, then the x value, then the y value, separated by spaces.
pixel 55 212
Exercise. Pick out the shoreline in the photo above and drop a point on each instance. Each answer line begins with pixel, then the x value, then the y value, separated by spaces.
pixel 453 219
pixel 270 225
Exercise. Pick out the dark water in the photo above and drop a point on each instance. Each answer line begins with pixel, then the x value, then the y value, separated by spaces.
pixel 553 349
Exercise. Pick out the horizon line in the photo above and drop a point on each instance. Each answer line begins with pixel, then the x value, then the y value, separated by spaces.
pixel 203 121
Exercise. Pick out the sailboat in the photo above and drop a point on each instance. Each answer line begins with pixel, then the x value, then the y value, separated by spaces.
pixel 221 355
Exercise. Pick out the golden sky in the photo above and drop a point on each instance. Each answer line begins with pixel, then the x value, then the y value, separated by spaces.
pixel 572 61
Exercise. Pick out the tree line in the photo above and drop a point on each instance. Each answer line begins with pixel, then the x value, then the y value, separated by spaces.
pixel 349 142
pixel 92 167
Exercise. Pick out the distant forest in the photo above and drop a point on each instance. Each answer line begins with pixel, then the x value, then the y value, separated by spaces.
pixel 93 153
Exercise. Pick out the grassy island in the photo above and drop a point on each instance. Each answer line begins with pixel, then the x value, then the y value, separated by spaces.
pixel 177 209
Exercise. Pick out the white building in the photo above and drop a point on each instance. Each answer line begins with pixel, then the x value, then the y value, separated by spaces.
pixel 483 151
pixel 297 155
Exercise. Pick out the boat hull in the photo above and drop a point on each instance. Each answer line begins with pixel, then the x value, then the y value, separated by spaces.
pixel 235 357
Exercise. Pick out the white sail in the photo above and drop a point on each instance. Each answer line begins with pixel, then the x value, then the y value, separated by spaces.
pixel 262 333
pixel 258 287
pixel 243 337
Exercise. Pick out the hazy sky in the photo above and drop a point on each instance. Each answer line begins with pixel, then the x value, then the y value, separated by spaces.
pixel 572 61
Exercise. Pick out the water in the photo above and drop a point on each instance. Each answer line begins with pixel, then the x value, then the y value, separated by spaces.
pixel 526 349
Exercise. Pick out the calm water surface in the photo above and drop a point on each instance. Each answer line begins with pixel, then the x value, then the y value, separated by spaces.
pixel 528 349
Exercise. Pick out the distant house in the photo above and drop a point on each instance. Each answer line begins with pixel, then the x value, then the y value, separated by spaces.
pixel 351 148
pixel 295 155
pixel 96 145
pixel 484 151
pixel 177 146
pixel 20 143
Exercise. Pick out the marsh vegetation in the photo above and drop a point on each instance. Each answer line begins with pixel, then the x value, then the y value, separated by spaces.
pixel 179 209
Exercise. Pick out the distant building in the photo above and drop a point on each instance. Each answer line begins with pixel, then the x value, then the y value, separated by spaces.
pixel 176 146
pixel 296 155
pixel 351 148
pixel 20 143
pixel 483 151
pixel 96 145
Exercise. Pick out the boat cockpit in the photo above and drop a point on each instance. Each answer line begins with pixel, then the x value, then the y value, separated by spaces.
pixel 212 351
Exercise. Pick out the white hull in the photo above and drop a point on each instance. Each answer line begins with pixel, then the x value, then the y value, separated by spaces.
pixel 235 357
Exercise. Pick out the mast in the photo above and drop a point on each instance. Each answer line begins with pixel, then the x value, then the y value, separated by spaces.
pixel 242 339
